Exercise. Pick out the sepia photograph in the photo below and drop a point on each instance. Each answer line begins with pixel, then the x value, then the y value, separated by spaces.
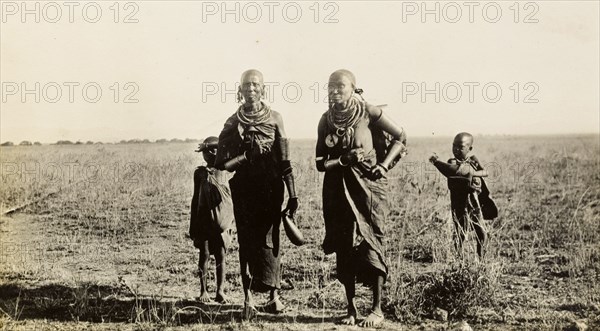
pixel 300 165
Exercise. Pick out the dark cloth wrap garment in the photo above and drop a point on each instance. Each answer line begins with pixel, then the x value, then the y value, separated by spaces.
pixel 470 197
pixel 257 191
pixel 354 207
pixel 211 215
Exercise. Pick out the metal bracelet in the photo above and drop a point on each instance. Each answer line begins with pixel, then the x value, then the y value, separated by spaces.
pixel 384 167
pixel 340 162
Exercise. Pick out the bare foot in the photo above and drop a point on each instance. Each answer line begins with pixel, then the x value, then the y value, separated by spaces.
pixel 222 299
pixel 274 306
pixel 347 320
pixel 249 311
pixel 203 298
pixel 374 319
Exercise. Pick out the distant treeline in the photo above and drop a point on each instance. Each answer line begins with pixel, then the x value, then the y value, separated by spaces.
pixel 89 142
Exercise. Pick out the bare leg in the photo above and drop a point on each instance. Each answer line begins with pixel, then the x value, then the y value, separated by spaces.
pixel 220 260
pixel 476 219
pixel 249 310
pixel 350 318
pixel 459 236
pixel 377 289
pixel 481 239
pixel 202 270
pixel 376 316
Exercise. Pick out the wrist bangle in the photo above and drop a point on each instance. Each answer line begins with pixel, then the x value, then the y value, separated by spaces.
pixel 384 167
pixel 340 162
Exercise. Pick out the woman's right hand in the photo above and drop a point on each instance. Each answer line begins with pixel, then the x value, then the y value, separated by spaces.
pixel 352 157
pixel 253 153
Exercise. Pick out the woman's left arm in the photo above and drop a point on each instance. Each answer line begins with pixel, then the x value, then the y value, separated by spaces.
pixel 285 164
pixel 398 144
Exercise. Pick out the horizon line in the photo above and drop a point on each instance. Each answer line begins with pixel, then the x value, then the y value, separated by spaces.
pixel 190 140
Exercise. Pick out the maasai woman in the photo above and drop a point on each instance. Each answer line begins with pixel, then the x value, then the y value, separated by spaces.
pixel 354 189
pixel 253 143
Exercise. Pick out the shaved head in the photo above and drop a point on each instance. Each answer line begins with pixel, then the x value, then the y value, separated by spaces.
pixel 252 88
pixel 464 135
pixel 344 73
pixel 462 145
pixel 248 74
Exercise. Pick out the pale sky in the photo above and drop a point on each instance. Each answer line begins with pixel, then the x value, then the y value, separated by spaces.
pixel 180 56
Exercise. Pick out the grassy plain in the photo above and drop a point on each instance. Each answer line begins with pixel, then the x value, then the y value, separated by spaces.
pixel 104 245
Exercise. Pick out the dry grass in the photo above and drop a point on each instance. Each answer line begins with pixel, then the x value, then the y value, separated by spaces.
pixel 106 242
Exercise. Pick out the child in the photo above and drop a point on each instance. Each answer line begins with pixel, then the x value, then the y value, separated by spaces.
pixel 469 197
pixel 211 218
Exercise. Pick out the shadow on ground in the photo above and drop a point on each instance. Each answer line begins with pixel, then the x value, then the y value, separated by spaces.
pixel 97 303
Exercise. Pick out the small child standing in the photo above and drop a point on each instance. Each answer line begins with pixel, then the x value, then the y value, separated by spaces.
pixel 211 218
pixel 470 199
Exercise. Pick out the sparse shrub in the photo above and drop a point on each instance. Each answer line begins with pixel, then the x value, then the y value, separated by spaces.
pixel 80 298
pixel 458 289
pixel 418 252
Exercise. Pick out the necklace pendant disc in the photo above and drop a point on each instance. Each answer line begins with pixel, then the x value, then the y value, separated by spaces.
pixel 331 140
